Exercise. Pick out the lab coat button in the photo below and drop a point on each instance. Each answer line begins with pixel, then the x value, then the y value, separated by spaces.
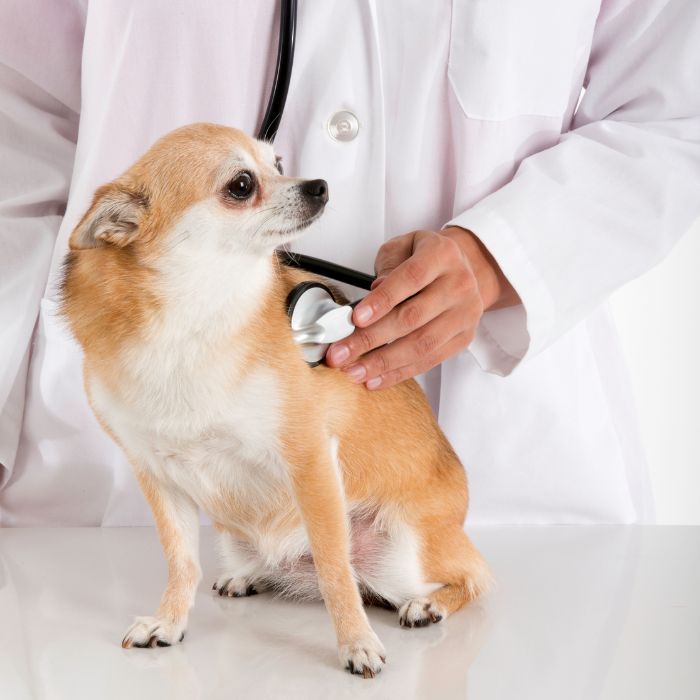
pixel 343 126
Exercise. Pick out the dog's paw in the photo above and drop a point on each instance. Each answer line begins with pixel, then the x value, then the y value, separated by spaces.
pixel 152 632
pixel 232 587
pixel 420 612
pixel 364 657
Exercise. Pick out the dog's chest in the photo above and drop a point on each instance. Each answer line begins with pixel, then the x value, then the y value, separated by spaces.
pixel 217 442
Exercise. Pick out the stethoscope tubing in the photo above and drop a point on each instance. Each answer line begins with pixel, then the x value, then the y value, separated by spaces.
pixel 326 268
pixel 283 71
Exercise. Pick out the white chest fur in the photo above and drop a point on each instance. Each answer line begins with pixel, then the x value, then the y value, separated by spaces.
pixel 216 446
pixel 187 409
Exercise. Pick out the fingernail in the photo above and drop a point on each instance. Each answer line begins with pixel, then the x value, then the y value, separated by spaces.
pixel 374 382
pixel 339 353
pixel 356 372
pixel 363 313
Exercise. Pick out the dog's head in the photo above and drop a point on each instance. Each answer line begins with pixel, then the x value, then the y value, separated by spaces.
pixel 211 187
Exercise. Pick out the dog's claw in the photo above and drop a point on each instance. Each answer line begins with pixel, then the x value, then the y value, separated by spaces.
pixel 151 632
pixel 363 658
pixel 250 590
pixel 364 671
pixel 233 588
pixel 420 612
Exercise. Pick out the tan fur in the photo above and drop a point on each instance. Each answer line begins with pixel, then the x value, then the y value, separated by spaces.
pixel 109 299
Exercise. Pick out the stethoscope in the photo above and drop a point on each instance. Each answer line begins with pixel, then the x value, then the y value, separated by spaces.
pixel 317 320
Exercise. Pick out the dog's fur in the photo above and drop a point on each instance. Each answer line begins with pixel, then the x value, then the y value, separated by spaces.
pixel 315 484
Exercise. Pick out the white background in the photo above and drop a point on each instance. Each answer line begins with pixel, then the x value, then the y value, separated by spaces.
pixel 658 319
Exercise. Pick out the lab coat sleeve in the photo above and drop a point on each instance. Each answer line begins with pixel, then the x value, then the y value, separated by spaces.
pixel 606 203
pixel 40 53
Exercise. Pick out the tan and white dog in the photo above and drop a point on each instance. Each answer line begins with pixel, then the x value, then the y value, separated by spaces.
pixel 316 485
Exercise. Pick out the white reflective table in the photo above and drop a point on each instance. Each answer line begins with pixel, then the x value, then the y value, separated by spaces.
pixel 578 612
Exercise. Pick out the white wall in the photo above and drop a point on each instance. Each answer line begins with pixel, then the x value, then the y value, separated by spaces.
pixel 658 318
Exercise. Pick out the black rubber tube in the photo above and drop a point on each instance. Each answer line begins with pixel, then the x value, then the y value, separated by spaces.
pixel 326 269
pixel 283 71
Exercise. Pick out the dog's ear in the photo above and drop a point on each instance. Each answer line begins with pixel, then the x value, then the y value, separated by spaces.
pixel 114 218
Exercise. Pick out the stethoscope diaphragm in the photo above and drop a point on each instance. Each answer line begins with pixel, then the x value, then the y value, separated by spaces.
pixel 317 320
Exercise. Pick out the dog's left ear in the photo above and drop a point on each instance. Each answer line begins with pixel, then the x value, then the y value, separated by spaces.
pixel 114 218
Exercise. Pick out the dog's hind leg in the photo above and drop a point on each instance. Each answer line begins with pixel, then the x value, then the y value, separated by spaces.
pixel 450 558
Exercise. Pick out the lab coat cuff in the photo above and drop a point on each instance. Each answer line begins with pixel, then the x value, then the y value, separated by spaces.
pixel 505 337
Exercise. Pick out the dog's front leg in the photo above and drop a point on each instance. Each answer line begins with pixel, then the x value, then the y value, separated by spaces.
pixel 177 520
pixel 319 493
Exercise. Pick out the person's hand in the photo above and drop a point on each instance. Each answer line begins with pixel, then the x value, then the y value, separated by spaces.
pixel 430 293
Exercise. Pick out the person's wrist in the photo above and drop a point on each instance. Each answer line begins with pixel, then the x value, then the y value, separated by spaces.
pixel 494 288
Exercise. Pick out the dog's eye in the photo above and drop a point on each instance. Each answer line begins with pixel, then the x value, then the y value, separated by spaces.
pixel 242 186
pixel 278 165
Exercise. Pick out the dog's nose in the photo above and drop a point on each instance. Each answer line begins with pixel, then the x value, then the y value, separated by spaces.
pixel 316 188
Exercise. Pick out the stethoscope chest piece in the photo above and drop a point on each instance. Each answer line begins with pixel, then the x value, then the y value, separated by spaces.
pixel 317 320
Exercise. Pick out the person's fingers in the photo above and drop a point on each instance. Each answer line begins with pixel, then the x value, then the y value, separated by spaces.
pixel 422 346
pixel 399 374
pixel 402 320
pixel 392 253
pixel 432 256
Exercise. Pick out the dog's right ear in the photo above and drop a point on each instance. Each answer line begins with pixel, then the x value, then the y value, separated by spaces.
pixel 114 218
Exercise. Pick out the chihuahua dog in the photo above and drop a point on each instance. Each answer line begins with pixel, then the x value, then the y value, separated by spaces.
pixel 316 486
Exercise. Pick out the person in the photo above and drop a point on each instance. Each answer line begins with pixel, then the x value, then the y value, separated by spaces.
pixel 510 164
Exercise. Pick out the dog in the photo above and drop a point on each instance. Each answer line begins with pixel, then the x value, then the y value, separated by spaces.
pixel 317 487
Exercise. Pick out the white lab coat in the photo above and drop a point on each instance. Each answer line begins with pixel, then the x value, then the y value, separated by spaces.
pixel 467 113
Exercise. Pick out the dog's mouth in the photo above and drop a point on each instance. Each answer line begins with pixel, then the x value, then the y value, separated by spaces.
pixel 310 218
pixel 298 224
